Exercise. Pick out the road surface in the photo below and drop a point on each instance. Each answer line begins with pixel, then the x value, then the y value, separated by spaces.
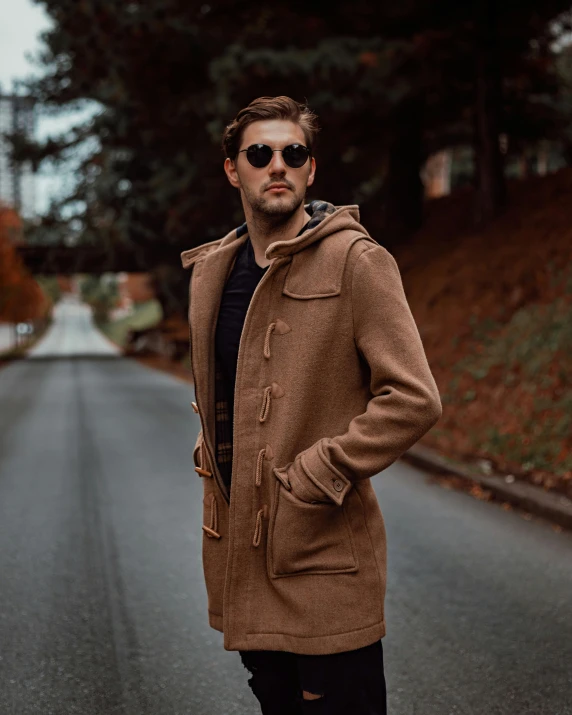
pixel 7 340
pixel 72 332
pixel 102 600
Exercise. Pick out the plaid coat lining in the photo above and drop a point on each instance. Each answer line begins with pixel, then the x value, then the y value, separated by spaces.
pixel 223 402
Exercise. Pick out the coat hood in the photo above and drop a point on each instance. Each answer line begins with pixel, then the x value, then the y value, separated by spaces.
pixel 326 219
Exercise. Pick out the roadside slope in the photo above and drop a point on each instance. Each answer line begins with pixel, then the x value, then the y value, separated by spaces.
pixel 494 309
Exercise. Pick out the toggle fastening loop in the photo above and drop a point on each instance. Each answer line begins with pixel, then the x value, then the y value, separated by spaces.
pixel 258 528
pixel 265 403
pixel 211 530
pixel 267 339
pixel 259 461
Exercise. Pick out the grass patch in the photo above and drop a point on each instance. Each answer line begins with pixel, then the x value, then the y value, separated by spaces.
pixel 145 315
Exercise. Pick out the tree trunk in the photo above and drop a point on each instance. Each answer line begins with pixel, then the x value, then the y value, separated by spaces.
pixel 403 205
pixel 489 164
pixel 542 160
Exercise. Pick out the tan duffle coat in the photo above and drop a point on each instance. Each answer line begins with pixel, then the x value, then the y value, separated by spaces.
pixel 332 386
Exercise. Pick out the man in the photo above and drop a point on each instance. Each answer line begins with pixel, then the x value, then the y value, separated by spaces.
pixel 310 378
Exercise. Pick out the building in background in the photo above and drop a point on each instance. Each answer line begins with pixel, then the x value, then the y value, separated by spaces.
pixel 436 174
pixel 17 114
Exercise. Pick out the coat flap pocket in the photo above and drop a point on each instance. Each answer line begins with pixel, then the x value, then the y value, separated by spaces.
pixel 305 281
pixel 308 538
pixel 317 271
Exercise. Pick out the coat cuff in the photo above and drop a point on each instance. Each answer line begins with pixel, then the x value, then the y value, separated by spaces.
pixel 311 478
pixel 322 473
pixel 295 479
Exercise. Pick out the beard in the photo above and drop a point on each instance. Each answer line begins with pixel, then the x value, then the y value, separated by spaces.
pixel 273 210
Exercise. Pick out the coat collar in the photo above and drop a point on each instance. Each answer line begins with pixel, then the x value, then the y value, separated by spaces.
pixel 325 219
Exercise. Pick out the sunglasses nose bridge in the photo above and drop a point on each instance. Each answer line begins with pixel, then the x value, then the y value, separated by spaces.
pixel 277 163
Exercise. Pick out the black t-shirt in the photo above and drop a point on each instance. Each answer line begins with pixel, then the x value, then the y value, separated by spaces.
pixel 236 296
pixel 238 290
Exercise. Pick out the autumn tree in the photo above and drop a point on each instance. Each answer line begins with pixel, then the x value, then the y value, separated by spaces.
pixel 21 298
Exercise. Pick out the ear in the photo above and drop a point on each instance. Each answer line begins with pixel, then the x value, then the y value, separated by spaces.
pixel 312 171
pixel 231 173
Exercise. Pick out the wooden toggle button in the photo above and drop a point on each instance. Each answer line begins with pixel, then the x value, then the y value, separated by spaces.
pixel 211 532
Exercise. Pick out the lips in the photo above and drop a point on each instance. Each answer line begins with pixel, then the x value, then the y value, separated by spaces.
pixel 277 187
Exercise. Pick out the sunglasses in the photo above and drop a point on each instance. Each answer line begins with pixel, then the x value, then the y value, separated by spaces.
pixel 294 155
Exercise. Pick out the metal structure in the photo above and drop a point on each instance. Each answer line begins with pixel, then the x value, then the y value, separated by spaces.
pixel 67 260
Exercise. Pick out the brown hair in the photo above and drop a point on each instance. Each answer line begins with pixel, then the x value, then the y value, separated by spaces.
pixel 269 108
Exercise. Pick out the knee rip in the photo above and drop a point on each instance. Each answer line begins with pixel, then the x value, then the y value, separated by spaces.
pixel 311 696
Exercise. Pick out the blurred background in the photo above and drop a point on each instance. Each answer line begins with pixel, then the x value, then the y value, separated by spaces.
pixel 450 125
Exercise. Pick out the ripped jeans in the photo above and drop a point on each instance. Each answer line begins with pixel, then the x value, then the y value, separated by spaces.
pixel 349 682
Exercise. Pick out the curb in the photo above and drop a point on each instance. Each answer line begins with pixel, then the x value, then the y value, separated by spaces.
pixel 550 505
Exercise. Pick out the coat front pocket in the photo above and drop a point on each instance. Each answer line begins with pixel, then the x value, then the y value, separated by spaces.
pixel 306 538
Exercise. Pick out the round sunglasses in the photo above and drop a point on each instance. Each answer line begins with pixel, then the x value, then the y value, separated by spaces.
pixel 294 155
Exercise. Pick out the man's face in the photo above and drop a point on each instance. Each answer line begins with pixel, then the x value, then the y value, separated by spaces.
pixel 276 190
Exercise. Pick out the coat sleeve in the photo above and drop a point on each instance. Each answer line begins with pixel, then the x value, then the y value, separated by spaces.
pixel 404 403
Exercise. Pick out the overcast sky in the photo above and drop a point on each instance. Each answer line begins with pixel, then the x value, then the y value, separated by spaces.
pixel 22 22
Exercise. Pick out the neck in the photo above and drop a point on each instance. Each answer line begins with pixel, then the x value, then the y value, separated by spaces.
pixel 264 230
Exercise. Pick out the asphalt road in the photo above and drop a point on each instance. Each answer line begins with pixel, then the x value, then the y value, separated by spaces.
pixel 72 333
pixel 102 601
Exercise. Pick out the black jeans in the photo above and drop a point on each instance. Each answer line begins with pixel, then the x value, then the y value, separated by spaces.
pixel 352 682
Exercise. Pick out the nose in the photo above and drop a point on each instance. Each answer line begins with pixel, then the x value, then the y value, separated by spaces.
pixel 277 165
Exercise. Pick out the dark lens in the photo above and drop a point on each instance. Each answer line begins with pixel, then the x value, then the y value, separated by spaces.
pixel 259 155
pixel 295 155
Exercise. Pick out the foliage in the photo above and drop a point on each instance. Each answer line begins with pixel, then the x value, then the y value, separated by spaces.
pixel 528 361
pixel 21 298
pixel 145 315
pixel 101 292
pixel 50 287
pixel 391 83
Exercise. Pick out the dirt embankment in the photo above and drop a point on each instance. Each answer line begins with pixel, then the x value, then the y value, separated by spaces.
pixel 494 309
